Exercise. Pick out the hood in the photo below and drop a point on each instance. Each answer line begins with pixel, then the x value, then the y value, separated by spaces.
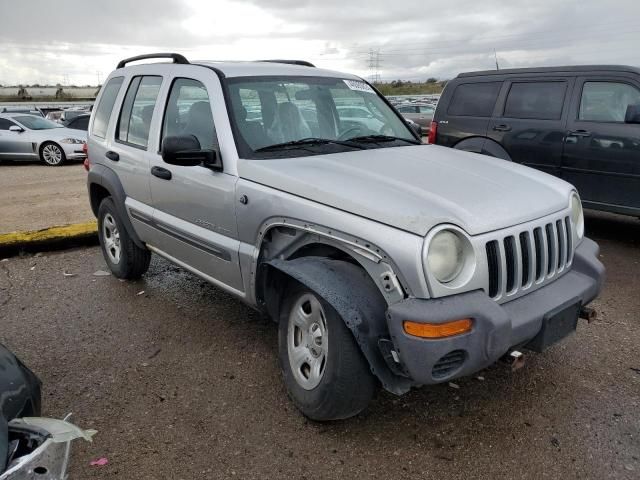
pixel 415 188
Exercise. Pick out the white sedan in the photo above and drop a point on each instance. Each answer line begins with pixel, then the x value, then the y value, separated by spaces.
pixel 27 137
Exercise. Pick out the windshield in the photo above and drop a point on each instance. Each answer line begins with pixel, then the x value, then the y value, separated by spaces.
pixel 36 123
pixel 295 116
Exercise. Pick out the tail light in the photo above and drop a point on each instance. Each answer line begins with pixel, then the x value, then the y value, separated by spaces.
pixel 86 163
pixel 433 132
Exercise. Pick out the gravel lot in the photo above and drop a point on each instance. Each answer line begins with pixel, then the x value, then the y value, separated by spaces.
pixel 34 196
pixel 182 381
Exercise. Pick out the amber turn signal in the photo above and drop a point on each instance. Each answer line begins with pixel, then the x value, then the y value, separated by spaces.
pixel 438 330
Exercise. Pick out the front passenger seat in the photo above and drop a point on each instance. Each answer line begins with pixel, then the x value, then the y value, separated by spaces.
pixel 289 125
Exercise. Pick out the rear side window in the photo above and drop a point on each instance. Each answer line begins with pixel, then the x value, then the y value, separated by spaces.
pixel 607 101
pixel 103 111
pixel 137 109
pixel 535 100
pixel 474 99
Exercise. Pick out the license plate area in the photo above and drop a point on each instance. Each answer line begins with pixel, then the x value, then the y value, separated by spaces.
pixel 556 325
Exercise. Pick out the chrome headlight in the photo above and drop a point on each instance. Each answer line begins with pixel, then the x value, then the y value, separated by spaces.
pixel 75 141
pixel 446 255
pixel 577 216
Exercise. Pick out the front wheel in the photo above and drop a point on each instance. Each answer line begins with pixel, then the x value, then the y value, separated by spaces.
pixel 326 375
pixel 52 154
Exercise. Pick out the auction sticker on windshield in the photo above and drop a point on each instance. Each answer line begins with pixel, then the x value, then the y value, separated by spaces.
pixel 358 86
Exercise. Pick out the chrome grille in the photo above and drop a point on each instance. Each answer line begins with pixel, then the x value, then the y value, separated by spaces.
pixel 531 257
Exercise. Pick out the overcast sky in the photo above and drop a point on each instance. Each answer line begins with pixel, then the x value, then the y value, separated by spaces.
pixel 80 41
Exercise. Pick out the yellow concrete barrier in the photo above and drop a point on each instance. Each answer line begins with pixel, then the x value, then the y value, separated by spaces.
pixel 51 234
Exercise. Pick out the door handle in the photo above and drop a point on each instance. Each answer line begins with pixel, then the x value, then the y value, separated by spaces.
pixel 502 128
pixel 160 172
pixel 112 156
pixel 579 133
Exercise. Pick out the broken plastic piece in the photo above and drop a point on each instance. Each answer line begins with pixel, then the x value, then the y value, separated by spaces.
pixel 99 462
pixel 60 430
pixel 101 273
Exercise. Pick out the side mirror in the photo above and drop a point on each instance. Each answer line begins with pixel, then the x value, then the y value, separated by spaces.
pixel 185 151
pixel 16 128
pixel 633 114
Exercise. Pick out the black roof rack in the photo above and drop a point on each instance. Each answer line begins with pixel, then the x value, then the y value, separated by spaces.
pixel 302 63
pixel 177 58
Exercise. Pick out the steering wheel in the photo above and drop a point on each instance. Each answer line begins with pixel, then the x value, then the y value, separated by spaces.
pixel 342 136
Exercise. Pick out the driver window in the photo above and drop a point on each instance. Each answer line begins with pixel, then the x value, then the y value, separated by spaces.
pixel 189 113
pixel 607 101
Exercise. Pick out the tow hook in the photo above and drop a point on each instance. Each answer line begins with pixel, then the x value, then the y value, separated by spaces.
pixel 589 314
pixel 515 359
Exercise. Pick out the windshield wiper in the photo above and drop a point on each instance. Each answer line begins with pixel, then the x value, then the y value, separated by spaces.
pixel 381 139
pixel 307 142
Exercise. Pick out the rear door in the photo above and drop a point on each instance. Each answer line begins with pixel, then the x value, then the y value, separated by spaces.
pixel 466 111
pixel 530 122
pixel 601 152
pixel 194 207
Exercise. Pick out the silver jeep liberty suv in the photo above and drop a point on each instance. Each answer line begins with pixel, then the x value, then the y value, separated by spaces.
pixel 301 191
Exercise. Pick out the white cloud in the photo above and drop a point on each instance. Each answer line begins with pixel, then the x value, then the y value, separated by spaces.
pixel 82 40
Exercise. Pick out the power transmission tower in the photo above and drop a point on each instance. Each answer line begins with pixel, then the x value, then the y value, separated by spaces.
pixel 374 65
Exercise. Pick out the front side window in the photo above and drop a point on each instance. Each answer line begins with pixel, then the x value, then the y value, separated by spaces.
pixel 36 123
pixel 188 112
pixel 407 109
pixel 6 124
pixel 103 111
pixel 137 110
pixel 535 100
pixel 474 99
pixel 607 101
pixel 326 114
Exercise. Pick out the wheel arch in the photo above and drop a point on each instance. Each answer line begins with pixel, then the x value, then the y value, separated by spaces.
pixel 484 146
pixel 351 292
pixel 103 182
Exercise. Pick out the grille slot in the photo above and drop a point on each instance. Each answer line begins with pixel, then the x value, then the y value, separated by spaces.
pixel 537 234
pixel 493 260
pixel 510 255
pixel 533 256
pixel 448 364
pixel 525 245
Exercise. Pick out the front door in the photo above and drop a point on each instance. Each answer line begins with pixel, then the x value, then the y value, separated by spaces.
pixel 531 122
pixel 194 207
pixel 601 152
pixel 14 145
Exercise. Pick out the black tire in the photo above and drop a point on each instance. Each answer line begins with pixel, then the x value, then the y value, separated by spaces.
pixel 347 384
pixel 49 159
pixel 132 261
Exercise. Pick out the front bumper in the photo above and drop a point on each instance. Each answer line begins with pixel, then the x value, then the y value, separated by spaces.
pixel 73 151
pixel 496 328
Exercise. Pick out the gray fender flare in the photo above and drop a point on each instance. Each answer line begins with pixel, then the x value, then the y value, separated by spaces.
pixel 353 294
pixel 483 145
pixel 108 179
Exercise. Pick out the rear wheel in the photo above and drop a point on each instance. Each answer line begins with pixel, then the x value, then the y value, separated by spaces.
pixel 125 258
pixel 326 375
pixel 52 154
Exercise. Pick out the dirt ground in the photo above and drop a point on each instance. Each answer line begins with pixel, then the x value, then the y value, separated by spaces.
pixel 182 382
pixel 34 196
